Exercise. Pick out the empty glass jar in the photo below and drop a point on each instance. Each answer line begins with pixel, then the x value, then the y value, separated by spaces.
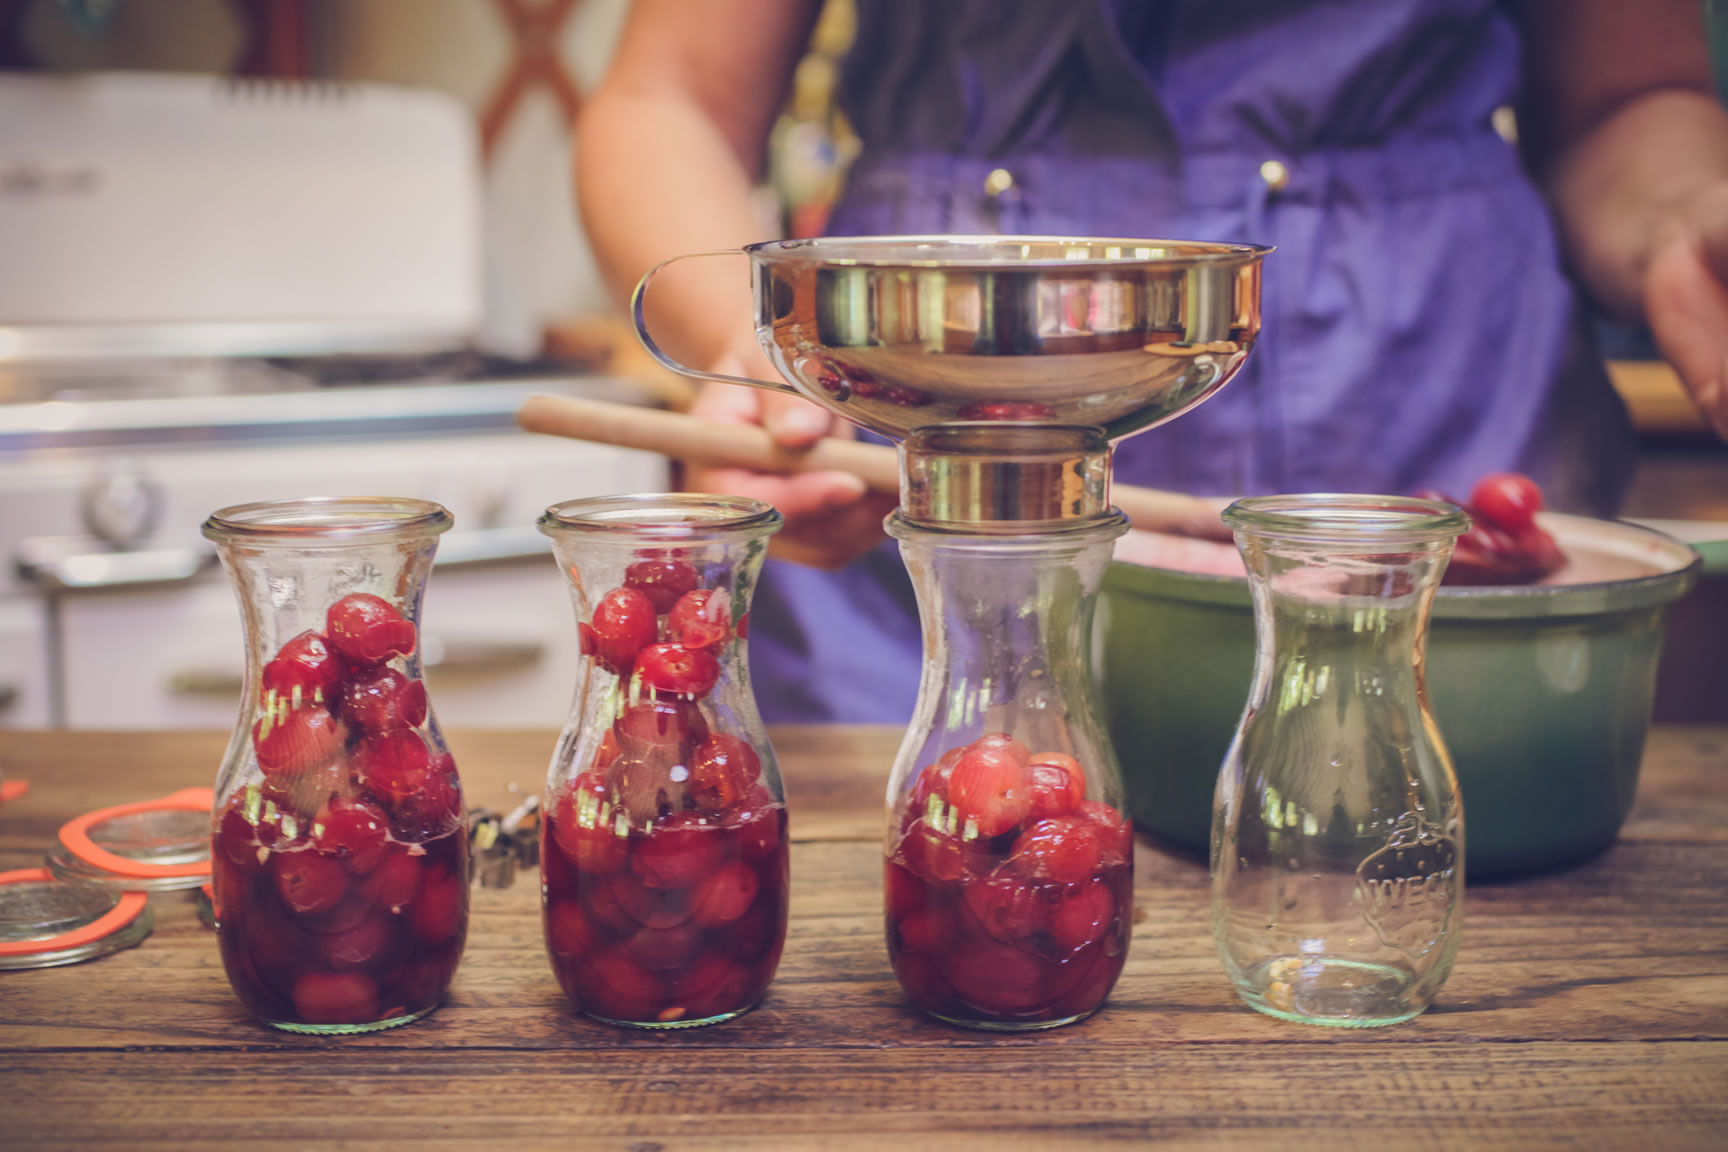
pixel 664 865
pixel 1338 834
pixel 340 861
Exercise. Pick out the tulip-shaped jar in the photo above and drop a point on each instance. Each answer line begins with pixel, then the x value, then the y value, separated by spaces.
pixel 664 861
pixel 1338 835
pixel 340 861
pixel 1009 862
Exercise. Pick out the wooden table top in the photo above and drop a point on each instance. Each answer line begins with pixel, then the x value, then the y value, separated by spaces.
pixel 1588 1009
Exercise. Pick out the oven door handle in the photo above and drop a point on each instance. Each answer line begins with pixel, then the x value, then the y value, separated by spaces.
pixel 95 571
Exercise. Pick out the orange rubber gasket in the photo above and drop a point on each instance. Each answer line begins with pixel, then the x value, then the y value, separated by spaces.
pixel 75 835
pixel 13 789
pixel 126 910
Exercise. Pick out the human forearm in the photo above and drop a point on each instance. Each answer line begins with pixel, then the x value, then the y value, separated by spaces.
pixel 654 180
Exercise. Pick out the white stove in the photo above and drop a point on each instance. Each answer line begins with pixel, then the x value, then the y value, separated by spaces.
pixel 217 293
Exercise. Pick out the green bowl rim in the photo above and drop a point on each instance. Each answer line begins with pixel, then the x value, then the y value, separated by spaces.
pixel 1531 602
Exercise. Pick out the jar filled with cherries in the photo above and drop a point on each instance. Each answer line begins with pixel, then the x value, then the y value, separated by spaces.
pixel 340 861
pixel 1009 862
pixel 664 855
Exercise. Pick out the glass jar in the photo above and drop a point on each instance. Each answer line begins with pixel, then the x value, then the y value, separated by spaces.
pixel 1338 835
pixel 664 858
pixel 1009 863
pixel 340 861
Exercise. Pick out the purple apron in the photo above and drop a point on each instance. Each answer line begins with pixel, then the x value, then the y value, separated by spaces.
pixel 1418 328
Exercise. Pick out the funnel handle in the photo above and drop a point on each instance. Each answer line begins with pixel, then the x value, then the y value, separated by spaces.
pixel 641 321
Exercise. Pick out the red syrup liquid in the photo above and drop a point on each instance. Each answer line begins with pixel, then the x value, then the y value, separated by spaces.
pixel 310 938
pixel 671 925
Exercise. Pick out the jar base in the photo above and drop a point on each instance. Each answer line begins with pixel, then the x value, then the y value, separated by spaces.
pixel 1332 992
pixel 671 1025
pixel 347 1029
pixel 1009 1025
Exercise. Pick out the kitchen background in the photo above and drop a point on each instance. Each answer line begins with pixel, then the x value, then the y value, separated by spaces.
pixel 366 209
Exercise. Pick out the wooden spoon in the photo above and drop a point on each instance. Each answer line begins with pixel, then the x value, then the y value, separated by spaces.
pixel 699 441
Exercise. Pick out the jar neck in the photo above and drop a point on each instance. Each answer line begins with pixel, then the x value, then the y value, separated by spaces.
pixel 1007 620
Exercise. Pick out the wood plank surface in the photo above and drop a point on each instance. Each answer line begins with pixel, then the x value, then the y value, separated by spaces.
pixel 1588 1008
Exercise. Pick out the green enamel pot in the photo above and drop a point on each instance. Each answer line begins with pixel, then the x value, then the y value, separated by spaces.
pixel 1542 693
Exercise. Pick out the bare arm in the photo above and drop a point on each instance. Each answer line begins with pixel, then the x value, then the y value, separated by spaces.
pixel 667 150
pixel 1622 125
pixel 669 146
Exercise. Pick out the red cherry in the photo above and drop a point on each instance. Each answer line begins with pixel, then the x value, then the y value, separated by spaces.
pixel 759 823
pixel 582 821
pixel 722 768
pixel 236 835
pixel 988 789
pixel 568 932
pixel 1508 500
pixel 1003 908
pixel 674 670
pixel 336 998
pixel 618 989
pixel 368 630
pixel 396 881
pixel 1001 741
pixel 700 619
pixel 658 724
pixel 393 765
pixel 291 741
pixel 1082 915
pixel 353 831
pixel 923 977
pixel 624 623
pixel 933 781
pixel 725 895
pixel 662 581
pixel 381 698
pixel 309 883
pixel 932 854
pixel 925 931
pixel 713 987
pixel 665 949
pixel 360 945
pixel 438 911
pixel 997 979
pixel 435 809
pixel 1062 851
pixel 1056 785
pixel 1083 982
pixel 640 906
pixel 1115 834
pixel 677 853
pixel 305 671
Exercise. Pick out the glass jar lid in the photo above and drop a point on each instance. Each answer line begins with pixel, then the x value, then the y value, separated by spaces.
pixel 46 922
pixel 155 846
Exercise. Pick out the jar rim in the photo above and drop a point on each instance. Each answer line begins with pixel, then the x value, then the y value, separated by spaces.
pixel 661 515
pixel 1347 517
pixel 312 519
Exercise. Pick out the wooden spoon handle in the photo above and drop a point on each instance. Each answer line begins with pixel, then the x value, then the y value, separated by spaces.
pixel 699 441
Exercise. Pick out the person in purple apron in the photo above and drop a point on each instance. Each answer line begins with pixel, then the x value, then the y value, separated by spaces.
pixel 1424 322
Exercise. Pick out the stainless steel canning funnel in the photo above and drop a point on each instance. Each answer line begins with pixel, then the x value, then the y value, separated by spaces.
pixel 901 333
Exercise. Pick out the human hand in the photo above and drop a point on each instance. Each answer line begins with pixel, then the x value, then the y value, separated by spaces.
pixel 831 517
pixel 1686 300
